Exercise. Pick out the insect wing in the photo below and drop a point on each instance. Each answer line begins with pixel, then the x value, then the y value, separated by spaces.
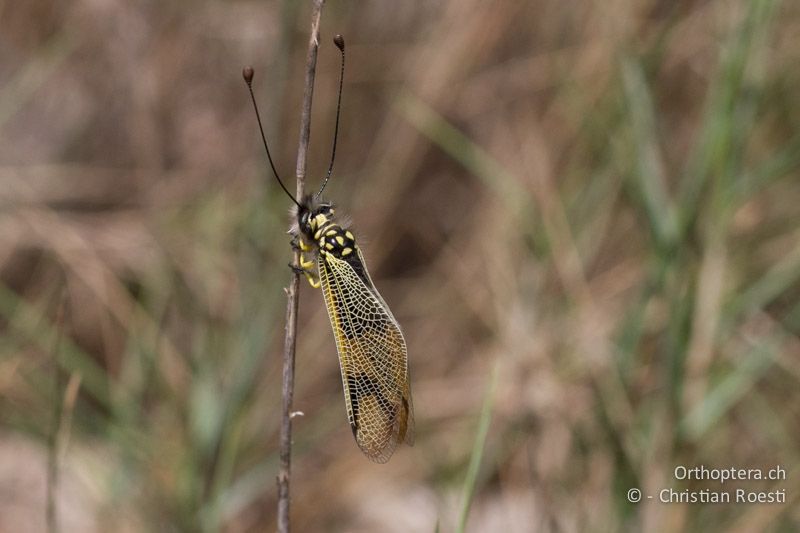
pixel 372 357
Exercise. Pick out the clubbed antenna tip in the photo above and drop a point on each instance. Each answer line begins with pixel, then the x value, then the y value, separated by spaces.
pixel 339 42
pixel 247 74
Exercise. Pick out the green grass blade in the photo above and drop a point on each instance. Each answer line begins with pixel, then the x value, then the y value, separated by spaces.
pixel 477 450
pixel 648 173
pixel 732 388
pixel 462 149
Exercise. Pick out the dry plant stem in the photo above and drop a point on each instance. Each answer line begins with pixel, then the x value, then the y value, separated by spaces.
pixel 292 295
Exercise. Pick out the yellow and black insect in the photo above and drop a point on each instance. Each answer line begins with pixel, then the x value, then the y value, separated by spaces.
pixel 372 351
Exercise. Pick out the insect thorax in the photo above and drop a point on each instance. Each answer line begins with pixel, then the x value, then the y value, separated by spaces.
pixel 335 240
pixel 319 227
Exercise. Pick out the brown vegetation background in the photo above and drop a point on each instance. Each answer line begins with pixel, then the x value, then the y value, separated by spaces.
pixel 595 202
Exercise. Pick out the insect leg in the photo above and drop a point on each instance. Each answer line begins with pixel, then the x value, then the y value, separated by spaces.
pixel 305 264
pixel 314 282
pixel 299 244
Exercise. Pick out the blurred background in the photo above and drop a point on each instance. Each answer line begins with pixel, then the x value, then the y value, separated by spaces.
pixel 585 215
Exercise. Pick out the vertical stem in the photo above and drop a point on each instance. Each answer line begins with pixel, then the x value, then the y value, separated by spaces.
pixel 292 300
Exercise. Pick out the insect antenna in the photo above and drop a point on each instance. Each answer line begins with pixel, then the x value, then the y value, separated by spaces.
pixel 247 74
pixel 339 42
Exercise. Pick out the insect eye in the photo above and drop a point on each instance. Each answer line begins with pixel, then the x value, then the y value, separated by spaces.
pixel 304 219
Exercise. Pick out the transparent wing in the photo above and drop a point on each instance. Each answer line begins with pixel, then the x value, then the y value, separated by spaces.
pixel 372 357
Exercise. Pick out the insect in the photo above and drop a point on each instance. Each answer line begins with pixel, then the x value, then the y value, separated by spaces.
pixel 372 351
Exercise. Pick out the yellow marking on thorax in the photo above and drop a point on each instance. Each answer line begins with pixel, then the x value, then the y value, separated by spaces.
pixel 347 251
pixel 349 235
pixel 324 229
pixel 340 240
pixel 323 223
